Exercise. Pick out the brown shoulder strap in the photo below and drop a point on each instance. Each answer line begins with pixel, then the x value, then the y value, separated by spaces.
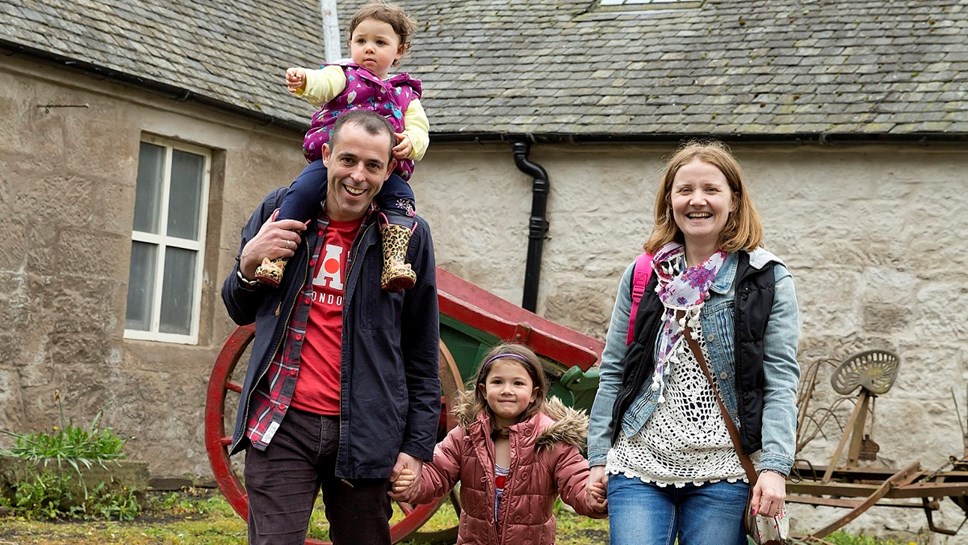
pixel 745 460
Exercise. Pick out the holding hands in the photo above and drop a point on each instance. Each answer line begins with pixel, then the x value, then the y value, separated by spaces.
pixel 402 484
pixel 405 478
pixel 597 496
pixel 597 488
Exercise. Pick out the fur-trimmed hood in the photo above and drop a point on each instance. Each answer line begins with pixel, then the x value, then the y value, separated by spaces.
pixel 558 422
pixel 546 463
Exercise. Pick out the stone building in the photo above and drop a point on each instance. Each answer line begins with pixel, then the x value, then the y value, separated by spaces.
pixel 850 118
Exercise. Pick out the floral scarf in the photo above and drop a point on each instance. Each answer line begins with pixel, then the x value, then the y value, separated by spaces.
pixel 682 290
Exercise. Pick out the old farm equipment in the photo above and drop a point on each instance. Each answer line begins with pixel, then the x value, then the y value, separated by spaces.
pixel 471 322
pixel 855 484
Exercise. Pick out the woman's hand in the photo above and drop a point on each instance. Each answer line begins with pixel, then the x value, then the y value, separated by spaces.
pixel 597 494
pixel 597 488
pixel 768 494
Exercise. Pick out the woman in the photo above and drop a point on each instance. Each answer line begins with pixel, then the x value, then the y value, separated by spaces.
pixel 656 436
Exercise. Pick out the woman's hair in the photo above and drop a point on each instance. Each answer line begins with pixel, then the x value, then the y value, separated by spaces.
pixel 743 229
pixel 391 14
pixel 524 357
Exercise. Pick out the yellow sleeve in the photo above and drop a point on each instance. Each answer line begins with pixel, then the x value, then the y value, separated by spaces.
pixel 417 129
pixel 323 85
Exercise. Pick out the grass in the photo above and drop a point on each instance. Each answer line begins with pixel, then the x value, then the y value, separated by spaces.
pixel 191 517
pixel 204 517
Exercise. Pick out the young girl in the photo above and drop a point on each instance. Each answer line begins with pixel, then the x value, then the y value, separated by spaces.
pixel 513 454
pixel 379 36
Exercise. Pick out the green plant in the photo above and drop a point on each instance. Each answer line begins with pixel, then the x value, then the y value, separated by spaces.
pixel 843 538
pixel 55 496
pixel 69 444
pixel 186 502
pixel 44 493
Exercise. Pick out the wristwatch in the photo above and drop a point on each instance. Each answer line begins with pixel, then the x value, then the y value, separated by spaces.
pixel 245 281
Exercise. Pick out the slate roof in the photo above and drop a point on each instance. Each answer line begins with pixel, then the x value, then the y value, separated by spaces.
pixel 557 68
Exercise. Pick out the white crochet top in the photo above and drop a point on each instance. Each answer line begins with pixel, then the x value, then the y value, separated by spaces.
pixel 685 440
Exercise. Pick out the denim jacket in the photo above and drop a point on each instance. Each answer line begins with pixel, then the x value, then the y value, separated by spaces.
pixel 779 365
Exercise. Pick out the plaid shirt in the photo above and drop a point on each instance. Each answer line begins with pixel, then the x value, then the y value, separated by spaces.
pixel 268 407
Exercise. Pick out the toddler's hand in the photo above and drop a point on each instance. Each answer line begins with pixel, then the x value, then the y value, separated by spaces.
pixel 404 148
pixel 296 79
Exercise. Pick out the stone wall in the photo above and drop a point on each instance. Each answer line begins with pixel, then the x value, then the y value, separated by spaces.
pixel 68 178
pixel 872 233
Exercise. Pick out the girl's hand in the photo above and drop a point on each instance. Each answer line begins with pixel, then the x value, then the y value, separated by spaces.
pixel 403 481
pixel 406 469
pixel 404 148
pixel 296 79
pixel 597 493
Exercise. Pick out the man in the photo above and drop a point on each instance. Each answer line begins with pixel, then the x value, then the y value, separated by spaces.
pixel 342 389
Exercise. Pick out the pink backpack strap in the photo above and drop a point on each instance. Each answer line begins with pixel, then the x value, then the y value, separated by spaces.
pixel 640 279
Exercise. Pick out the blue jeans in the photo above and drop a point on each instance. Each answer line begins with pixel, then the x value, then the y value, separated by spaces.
pixel 642 513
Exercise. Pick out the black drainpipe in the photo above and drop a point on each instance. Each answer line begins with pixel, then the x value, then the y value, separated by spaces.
pixel 537 226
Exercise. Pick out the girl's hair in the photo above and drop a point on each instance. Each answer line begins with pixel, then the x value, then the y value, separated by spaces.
pixel 524 357
pixel 743 229
pixel 403 25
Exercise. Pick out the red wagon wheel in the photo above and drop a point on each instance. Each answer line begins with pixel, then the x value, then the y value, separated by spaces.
pixel 217 441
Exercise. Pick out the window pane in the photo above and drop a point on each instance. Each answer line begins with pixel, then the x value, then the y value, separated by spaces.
pixel 176 291
pixel 141 286
pixel 186 194
pixel 147 202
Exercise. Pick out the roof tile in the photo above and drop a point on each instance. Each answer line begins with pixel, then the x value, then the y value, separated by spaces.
pixel 559 66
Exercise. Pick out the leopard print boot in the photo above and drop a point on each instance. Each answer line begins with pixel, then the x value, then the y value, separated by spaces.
pixel 270 271
pixel 397 273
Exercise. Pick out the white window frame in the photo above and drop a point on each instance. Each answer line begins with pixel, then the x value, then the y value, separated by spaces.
pixel 163 242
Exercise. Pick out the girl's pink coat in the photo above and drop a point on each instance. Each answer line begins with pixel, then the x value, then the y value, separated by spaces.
pixel 545 463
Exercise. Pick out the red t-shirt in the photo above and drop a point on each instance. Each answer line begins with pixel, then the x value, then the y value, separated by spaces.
pixel 317 388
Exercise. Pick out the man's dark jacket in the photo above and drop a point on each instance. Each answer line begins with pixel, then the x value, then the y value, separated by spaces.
pixel 390 386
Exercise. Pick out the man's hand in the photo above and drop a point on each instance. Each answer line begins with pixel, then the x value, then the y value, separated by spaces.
pixel 274 239
pixel 406 468
pixel 296 80
pixel 404 148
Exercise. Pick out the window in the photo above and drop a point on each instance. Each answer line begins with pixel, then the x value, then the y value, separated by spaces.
pixel 167 241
